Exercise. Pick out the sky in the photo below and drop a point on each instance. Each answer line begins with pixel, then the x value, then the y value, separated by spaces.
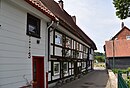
pixel 96 18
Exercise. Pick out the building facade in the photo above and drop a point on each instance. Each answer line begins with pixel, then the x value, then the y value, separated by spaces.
pixel 117 50
pixel 40 45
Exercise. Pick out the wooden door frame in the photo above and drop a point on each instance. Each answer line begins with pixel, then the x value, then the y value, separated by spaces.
pixel 38 57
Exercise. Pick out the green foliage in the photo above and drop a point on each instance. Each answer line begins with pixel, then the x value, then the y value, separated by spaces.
pixel 98 54
pixel 115 70
pixel 100 57
pixel 122 8
pixel 128 69
pixel 124 71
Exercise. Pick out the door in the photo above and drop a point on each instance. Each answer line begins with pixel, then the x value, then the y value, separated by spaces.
pixel 38 72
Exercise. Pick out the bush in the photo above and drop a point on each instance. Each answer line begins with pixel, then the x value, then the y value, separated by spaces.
pixel 124 71
pixel 100 58
pixel 128 69
pixel 115 70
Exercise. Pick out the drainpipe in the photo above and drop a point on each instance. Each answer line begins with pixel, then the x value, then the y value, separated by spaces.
pixel 48 29
pixel 48 55
pixel 52 22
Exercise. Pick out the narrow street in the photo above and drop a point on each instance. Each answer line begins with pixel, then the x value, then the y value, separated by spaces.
pixel 94 79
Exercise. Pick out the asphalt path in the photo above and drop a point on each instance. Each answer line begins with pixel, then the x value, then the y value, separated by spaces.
pixel 94 79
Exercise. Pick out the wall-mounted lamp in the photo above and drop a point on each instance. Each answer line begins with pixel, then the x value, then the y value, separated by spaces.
pixel 38 41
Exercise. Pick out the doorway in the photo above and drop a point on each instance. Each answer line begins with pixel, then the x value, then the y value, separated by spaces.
pixel 38 72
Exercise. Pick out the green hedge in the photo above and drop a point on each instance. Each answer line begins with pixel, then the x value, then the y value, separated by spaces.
pixel 124 71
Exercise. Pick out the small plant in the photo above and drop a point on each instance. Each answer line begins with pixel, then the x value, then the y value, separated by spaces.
pixel 115 70
pixel 128 69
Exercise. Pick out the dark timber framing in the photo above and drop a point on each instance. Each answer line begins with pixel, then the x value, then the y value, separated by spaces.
pixel 76 49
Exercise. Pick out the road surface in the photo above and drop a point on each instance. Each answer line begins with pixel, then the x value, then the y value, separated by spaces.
pixel 94 79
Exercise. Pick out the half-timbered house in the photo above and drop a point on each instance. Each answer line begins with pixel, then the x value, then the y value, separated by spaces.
pixel 71 50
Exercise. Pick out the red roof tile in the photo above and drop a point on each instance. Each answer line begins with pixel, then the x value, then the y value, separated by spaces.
pixel 121 48
pixel 40 6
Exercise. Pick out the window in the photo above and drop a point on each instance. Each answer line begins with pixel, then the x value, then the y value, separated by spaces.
pixel 77 46
pixel 128 37
pixel 68 42
pixel 83 64
pixel 74 43
pixel 65 67
pixel 33 26
pixel 56 68
pixel 84 49
pixel 58 39
pixel 66 53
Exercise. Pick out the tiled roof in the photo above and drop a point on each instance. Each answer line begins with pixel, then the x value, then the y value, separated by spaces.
pixel 52 10
pixel 66 20
pixel 121 48
pixel 40 6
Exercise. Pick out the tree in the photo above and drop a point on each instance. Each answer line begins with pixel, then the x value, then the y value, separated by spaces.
pixel 100 57
pixel 122 8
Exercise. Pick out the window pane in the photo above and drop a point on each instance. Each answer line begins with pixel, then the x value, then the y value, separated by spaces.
pixel 67 53
pixel 58 51
pixel 68 42
pixel 58 39
pixel 56 68
pixel 65 67
pixel 33 26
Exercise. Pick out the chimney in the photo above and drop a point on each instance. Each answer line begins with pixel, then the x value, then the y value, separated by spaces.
pixel 61 4
pixel 74 18
pixel 122 24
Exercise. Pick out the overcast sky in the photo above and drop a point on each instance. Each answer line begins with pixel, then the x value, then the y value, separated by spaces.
pixel 96 18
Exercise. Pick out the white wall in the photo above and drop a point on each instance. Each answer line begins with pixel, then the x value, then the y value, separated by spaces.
pixel 14 43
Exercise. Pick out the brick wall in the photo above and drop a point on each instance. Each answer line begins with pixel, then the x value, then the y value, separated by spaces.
pixel 123 34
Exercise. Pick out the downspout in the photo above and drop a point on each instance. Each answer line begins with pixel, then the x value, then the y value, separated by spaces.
pixel 52 22
pixel 48 43
pixel 48 29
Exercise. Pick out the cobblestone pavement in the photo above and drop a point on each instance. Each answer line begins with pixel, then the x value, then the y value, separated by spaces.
pixel 94 79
